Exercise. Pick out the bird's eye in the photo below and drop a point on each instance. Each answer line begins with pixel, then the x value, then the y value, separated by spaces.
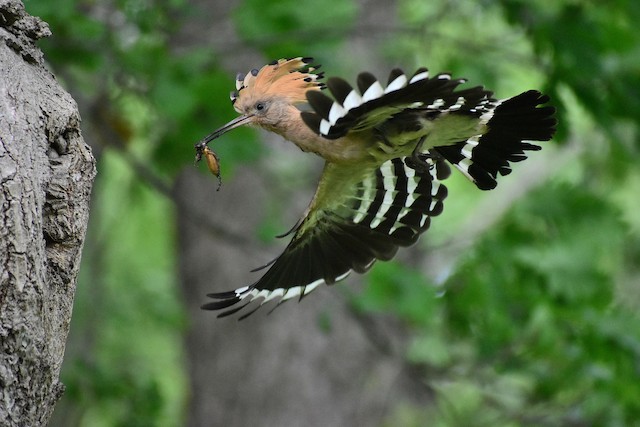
pixel 260 106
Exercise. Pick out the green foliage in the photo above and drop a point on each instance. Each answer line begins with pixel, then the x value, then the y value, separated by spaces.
pixel 594 48
pixel 448 36
pixel 125 371
pixel 78 50
pixel 124 394
pixel 546 308
pixel 528 331
pixel 286 28
pixel 393 287
pixel 537 324
pixel 135 64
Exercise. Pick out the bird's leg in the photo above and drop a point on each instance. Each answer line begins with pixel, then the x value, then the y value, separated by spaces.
pixel 418 159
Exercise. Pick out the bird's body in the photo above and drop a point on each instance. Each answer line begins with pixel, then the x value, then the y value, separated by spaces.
pixel 386 150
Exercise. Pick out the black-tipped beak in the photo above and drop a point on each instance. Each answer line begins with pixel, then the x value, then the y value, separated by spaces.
pixel 238 121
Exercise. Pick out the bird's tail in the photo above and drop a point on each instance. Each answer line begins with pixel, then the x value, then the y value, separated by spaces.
pixel 511 127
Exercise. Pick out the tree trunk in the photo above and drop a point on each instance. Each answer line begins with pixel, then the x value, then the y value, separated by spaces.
pixel 46 172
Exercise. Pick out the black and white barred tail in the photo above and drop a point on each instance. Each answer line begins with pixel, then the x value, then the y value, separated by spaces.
pixel 512 125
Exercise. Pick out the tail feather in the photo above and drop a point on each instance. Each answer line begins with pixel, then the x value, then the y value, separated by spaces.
pixel 512 127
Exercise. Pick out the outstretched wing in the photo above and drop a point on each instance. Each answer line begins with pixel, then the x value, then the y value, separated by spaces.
pixel 476 133
pixel 350 223
pixel 371 104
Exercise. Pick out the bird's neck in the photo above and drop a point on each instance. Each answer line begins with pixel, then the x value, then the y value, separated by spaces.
pixel 341 150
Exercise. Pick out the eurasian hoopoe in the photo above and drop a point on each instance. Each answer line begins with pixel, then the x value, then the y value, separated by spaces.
pixel 386 151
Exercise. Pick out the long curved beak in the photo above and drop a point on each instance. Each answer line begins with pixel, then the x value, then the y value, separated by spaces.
pixel 238 121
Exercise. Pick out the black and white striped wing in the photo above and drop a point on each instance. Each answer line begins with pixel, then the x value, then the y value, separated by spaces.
pixel 371 104
pixel 476 133
pixel 349 225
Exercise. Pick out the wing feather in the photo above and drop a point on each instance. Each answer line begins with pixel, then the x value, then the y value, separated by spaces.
pixel 341 234
pixel 372 104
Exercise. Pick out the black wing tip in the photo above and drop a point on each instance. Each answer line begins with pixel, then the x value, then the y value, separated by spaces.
pixel 320 103
pixel 221 304
pixel 394 73
pixel 533 96
pixel 228 299
pixel 312 121
pixel 226 303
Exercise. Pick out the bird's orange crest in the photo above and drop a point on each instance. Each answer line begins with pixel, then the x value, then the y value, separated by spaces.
pixel 287 78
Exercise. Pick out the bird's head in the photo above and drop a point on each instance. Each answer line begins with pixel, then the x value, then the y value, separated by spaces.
pixel 263 97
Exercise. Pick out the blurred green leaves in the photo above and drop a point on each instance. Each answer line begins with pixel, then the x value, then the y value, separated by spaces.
pixel 538 324
pixel 122 363
pixel 399 289
pixel 289 28
pixel 528 331
pixel 595 51
pixel 184 95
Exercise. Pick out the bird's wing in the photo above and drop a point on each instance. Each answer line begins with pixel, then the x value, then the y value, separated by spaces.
pixel 371 104
pixel 349 224
pixel 476 133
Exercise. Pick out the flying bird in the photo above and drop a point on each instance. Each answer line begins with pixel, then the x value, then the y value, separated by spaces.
pixel 387 149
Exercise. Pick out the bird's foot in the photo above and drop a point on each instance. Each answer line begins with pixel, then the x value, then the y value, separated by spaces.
pixel 419 161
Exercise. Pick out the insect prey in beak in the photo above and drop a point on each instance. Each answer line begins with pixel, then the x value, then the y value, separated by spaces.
pixel 212 160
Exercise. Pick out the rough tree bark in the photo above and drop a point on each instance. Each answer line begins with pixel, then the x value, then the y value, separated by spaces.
pixel 46 172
